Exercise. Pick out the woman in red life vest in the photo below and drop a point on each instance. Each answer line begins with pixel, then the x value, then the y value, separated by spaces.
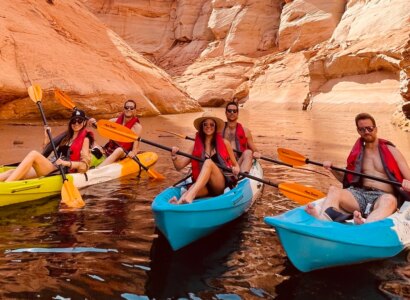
pixel 73 151
pixel 208 179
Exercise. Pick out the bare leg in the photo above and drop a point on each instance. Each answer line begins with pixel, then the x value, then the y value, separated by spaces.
pixel 211 176
pixel 245 161
pixel 5 175
pixel 338 198
pixel 384 207
pixel 33 162
pixel 116 155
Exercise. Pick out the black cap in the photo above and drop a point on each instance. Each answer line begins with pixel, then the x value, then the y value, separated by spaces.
pixel 78 113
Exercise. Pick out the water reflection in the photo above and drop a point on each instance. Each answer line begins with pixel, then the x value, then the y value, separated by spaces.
pixel 192 268
pixel 242 260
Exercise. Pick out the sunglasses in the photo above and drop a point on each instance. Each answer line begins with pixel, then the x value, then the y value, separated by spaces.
pixel 126 107
pixel 76 121
pixel 232 111
pixel 367 128
pixel 211 124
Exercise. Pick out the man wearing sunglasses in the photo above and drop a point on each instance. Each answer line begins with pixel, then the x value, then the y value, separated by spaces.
pixel 114 151
pixel 239 137
pixel 369 200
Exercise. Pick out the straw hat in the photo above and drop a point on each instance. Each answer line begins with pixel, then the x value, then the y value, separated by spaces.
pixel 209 115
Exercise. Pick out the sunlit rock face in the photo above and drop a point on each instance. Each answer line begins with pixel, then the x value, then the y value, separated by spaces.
pixel 302 54
pixel 171 55
pixel 62 44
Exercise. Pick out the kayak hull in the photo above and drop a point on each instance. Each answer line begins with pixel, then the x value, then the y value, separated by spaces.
pixel 50 186
pixel 314 244
pixel 186 223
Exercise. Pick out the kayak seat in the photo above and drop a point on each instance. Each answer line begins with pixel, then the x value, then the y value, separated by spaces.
pixel 337 216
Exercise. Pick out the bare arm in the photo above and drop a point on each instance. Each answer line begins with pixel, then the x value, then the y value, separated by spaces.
pixel 180 161
pixel 137 129
pixel 235 165
pixel 401 161
pixel 251 143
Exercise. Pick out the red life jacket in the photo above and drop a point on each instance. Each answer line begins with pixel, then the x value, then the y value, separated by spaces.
pixel 111 145
pixel 77 144
pixel 355 162
pixel 221 152
pixel 241 141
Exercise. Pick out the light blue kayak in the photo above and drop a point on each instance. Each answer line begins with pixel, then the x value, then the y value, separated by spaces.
pixel 185 223
pixel 315 244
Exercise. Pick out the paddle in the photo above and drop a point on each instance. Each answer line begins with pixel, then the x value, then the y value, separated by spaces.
pixel 297 159
pixel 66 101
pixel 239 152
pixel 69 193
pixel 294 191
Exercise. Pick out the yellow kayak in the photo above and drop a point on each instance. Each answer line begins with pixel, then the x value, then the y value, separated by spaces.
pixel 48 186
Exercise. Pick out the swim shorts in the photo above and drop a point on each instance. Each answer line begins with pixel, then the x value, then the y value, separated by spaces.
pixel 366 197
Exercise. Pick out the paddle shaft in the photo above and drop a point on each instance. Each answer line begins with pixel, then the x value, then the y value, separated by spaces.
pixel 308 161
pixel 201 160
pixel 60 167
pixel 262 157
pixel 135 158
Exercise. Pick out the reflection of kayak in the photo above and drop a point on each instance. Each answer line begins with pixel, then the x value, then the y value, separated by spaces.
pixel 33 189
pixel 315 244
pixel 185 223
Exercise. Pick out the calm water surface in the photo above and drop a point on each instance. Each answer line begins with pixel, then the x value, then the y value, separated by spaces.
pixel 111 250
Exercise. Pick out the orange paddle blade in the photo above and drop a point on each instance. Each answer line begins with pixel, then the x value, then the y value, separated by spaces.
pixel 70 195
pixel 291 157
pixel 35 92
pixel 116 132
pixel 155 174
pixel 300 193
pixel 64 99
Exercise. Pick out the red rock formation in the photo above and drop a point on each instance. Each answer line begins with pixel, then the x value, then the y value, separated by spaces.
pixel 63 45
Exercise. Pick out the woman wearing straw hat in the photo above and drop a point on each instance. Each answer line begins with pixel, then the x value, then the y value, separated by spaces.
pixel 208 179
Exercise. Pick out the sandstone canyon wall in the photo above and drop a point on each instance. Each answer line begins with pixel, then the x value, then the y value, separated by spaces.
pixel 307 54
pixel 62 44
pixel 300 54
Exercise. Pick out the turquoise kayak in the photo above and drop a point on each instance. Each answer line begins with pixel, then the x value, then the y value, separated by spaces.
pixel 185 223
pixel 314 244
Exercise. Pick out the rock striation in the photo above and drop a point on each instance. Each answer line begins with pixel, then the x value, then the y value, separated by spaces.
pixel 173 55
pixel 62 44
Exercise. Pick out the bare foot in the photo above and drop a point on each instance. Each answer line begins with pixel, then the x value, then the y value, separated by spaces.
pixel 357 218
pixel 173 200
pixel 311 210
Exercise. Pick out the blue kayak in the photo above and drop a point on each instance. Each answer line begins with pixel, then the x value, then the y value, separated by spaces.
pixel 185 223
pixel 314 244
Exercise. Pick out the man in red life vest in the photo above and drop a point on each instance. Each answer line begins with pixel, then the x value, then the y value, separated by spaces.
pixel 114 151
pixel 368 199
pixel 239 137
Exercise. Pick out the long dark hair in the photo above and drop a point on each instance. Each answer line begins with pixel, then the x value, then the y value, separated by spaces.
pixel 202 134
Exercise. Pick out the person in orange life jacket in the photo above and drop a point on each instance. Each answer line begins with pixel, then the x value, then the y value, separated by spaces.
pixel 362 196
pixel 406 111
pixel 111 150
pixel 209 145
pixel 73 151
pixel 239 137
